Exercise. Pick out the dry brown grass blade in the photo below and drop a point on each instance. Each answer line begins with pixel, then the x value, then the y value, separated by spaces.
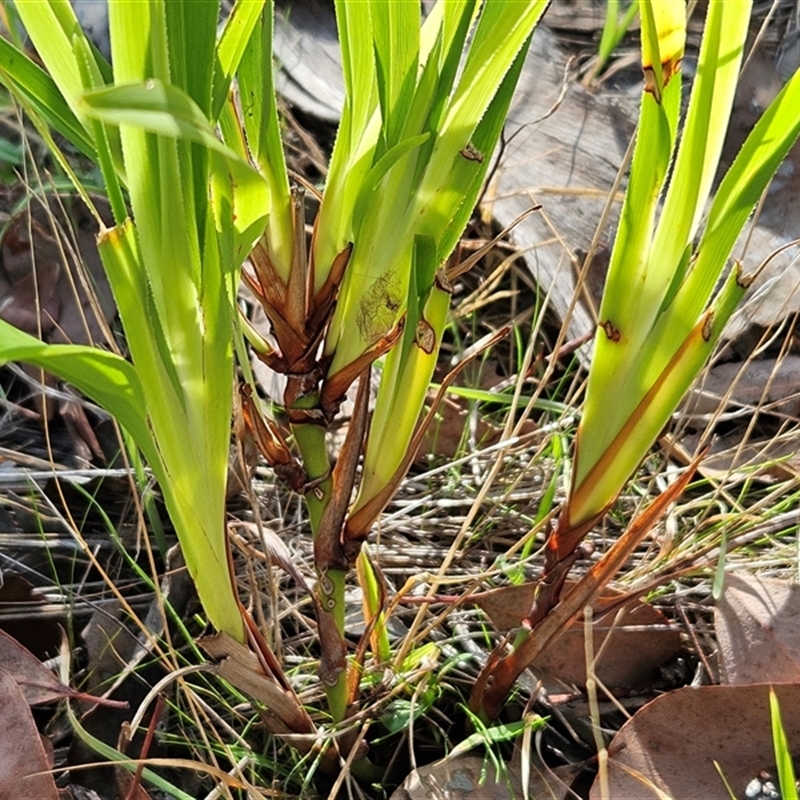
pixel 335 386
pixel 271 443
pixel 497 678
pixel 328 550
pixel 457 269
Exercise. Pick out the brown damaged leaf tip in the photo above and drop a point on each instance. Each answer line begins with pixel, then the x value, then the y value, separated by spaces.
pixel 271 443
pixel 669 68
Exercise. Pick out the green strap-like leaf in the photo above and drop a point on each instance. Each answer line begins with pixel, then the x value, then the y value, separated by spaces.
pixel 108 379
pixel 235 36
pixel 29 83
pixel 262 126
pixel 744 183
pixel 52 26
pixel 395 31
pixel 192 37
pixel 156 107
pixel 704 130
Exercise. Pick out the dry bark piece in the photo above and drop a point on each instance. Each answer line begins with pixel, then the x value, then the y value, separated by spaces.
pixel 578 16
pixel 673 741
pixel 775 294
pixel 631 640
pixel 756 623
pixel 307 49
pixel 23 761
pixel 566 160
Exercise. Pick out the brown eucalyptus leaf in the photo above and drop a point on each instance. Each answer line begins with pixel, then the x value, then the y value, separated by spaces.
pixel 506 606
pixel 630 639
pixel 763 382
pixel 37 683
pixel 756 623
pixel 32 303
pixel 23 761
pixel 445 437
pixel 769 458
pixel 671 744
pixel 466 777
pixel 47 292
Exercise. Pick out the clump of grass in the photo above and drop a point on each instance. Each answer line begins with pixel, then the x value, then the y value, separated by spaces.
pixel 217 721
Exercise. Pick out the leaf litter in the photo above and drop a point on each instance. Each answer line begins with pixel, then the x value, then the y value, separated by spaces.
pixel 756 628
pixel 759 638
pixel 24 762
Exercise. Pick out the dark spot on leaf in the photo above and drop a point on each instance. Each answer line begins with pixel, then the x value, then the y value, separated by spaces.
pixel 425 336
pixel 471 153
pixel 611 332
pixel 708 325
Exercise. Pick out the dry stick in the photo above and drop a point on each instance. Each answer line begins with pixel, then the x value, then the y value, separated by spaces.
pixel 497 678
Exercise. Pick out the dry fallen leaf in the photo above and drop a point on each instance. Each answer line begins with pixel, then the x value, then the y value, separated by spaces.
pixel 128 787
pixel 672 742
pixel 756 624
pixel 23 761
pixel 630 640
pixel 767 458
pixel 765 382
pixel 37 683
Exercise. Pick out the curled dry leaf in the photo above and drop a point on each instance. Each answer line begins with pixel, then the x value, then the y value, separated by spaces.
pixel 756 624
pixel 631 638
pixel 23 761
pixel 671 744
